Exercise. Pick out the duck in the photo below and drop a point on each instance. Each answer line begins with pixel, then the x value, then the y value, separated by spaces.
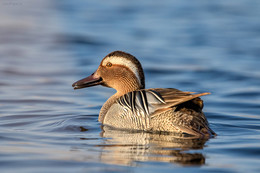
pixel 135 108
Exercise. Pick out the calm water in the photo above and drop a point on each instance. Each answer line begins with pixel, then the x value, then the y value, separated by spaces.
pixel 202 46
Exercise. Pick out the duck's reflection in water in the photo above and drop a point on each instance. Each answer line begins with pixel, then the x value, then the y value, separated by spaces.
pixel 129 148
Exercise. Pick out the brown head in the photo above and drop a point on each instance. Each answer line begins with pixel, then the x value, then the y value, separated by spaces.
pixel 118 70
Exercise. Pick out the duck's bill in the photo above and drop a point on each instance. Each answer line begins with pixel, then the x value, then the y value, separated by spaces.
pixel 89 81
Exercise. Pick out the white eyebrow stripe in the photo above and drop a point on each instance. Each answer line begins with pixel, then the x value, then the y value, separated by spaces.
pixel 125 62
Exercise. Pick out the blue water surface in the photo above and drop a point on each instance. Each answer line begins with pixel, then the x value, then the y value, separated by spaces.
pixel 199 46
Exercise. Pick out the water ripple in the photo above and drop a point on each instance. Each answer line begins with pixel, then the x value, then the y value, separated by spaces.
pixel 46 126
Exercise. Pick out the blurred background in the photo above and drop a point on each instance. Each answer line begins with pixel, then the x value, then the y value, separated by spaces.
pixel 200 46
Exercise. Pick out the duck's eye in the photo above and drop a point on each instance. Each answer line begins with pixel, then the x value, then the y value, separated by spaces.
pixel 109 64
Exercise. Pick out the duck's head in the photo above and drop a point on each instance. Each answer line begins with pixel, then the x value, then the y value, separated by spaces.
pixel 118 70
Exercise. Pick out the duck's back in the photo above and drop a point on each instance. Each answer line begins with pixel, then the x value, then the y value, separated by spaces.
pixel 159 109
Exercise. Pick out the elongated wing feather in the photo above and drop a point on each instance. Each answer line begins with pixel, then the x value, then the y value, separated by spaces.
pixel 141 100
pixel 151 100
pixel 173 97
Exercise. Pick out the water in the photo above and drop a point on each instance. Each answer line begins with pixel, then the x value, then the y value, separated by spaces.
pixel 46 45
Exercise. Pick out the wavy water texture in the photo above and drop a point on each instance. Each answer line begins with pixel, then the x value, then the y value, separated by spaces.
pixel 46 45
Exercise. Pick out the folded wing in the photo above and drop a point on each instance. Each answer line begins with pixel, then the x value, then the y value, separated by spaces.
pixel 151 100
pixel 137 107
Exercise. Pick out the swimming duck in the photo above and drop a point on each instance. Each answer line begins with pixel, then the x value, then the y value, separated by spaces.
pixel 133 107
